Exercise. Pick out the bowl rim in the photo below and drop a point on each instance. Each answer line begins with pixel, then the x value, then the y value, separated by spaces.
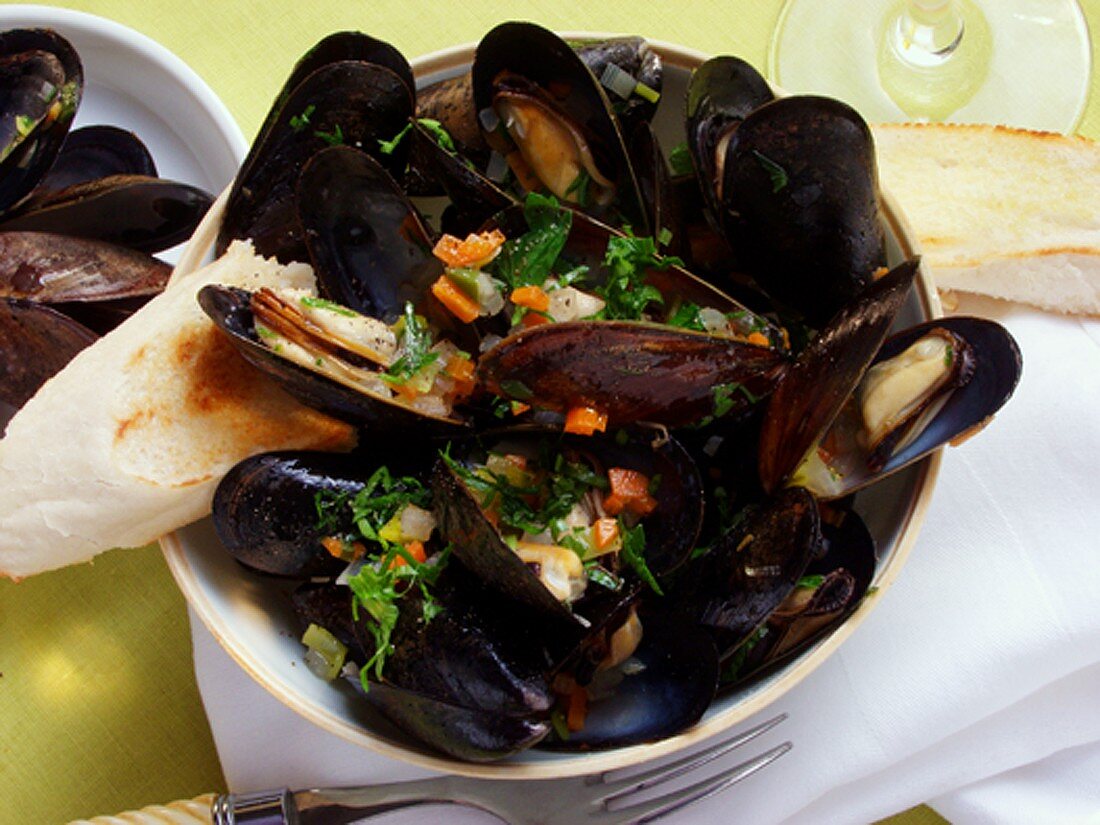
pixel 561 765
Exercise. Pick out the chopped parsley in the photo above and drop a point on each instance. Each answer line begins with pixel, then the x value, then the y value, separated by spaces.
pixel 626 294
pixel 731 670
pixel 633 553
pixel 301 121
pixel 949 356
pixel 333 138
pixel 432 127
pixel 529 259
pixel 811 582
pixel 387 147
pixel 776 172
pixel 579 188
pixel 687 316
pixel 417 341
pixel 680 159
pixel 320 303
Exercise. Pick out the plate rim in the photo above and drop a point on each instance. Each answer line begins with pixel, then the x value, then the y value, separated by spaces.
pixel 562 765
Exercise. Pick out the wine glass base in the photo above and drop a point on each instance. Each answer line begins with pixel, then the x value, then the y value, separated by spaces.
pixel 1038 62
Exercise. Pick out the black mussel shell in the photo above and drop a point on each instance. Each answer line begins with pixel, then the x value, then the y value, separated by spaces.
pixel 97 152
pixel 668 686
pixel 265 511
pixel 541 57
pixel 845 570
pixel 328 605
pixel 988 368
pixel 800 179
pixel 659 199
pixel 465 733
pixel 635 57
pixel 350 102
pixel 630 371
pixel 475 197
pixel 56 269
pixel 750 570
pixel 41 83
pixel 816 386
pixel 370 248
pixel 35 343
pixel 231 311
pixel 142 213
pixel 451 104
pixel 722 92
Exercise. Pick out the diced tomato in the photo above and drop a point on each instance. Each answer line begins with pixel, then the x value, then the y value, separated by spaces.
pixel 532 297
pixel 476 250
pixel 629 491
pixel 585 421
pixel 462 371
pixel 415 549
pixel 457 302
pixel 533 319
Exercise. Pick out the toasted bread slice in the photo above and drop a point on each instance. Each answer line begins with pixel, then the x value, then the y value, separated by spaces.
pixel 129 440
pixel 1004 212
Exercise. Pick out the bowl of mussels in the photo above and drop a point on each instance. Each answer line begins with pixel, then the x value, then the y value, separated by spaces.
pixel 650 387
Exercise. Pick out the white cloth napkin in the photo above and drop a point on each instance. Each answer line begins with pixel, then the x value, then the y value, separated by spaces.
pixel 973 685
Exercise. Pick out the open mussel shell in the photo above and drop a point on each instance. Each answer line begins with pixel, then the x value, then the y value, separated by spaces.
pixel 97 152
pixel 349 102
pixel 629 370
pixel 230 309
pixel 845 570
pixel 659 199
pixel 800 177
pixel 636 63
pixel 814 389
pixel 750 570
pixel 539 56
pixel 668 686
pixel 670 530
pixel 265 510
pixel 722 92
pixel 142 213
pixel 370 248
pixel 35 343
pixel 470 682
pixel 41 83
pixel 986 368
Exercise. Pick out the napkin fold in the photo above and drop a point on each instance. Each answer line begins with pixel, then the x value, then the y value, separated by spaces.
pixel 972 684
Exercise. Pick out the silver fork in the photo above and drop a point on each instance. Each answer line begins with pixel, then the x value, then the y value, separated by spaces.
pixel 599 799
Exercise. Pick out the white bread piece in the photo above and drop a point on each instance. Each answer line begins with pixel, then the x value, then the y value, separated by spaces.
pixel 129 440
pixel 1009 213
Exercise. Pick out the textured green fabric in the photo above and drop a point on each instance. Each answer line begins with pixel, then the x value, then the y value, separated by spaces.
pixel 98 707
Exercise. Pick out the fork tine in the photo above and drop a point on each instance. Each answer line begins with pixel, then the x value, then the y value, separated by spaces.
pixel 654 809
pixel 663 773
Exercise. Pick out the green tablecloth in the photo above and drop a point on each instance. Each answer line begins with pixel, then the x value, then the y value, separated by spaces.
pixel 99 711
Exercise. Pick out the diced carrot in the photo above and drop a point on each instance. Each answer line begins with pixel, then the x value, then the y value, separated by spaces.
pixel 533 319
pixel 578 709
pixel 518 407
pixel 462 371
pixel 629 491
pixel 585 421
pixel 414 549
pixel 759 339
pixel 532 297
pixel 342 549
pixel 476 250
pixel 455 300
pixel 604 532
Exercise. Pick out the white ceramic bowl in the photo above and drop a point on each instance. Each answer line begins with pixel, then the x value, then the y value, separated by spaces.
pixel 253 622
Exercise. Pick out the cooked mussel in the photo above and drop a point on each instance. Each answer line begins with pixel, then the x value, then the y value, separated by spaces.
pixel 549 117
pixel 35 343
pixel 41 83
pixel 350 102
pixel 97 152
pixel 536 553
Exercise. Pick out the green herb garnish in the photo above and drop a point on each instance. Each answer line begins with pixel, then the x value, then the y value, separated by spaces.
pixel 680 160
pixel 301 121
pixel 626 294
pixel 633 553
pixel 579 188
pixel 776 172
pixel 687 316
pixel 333 138
pixel 529 259
pixel 387 147
pixel 811 582
pixel 417 355
pixel 321 303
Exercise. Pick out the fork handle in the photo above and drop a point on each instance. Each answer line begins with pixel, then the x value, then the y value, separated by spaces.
pixel 330 807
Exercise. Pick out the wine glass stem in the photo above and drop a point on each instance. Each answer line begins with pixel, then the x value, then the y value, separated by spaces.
pixel 926 32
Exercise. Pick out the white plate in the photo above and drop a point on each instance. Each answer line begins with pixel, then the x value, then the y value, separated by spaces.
pixel 252 620
pixel 135 83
